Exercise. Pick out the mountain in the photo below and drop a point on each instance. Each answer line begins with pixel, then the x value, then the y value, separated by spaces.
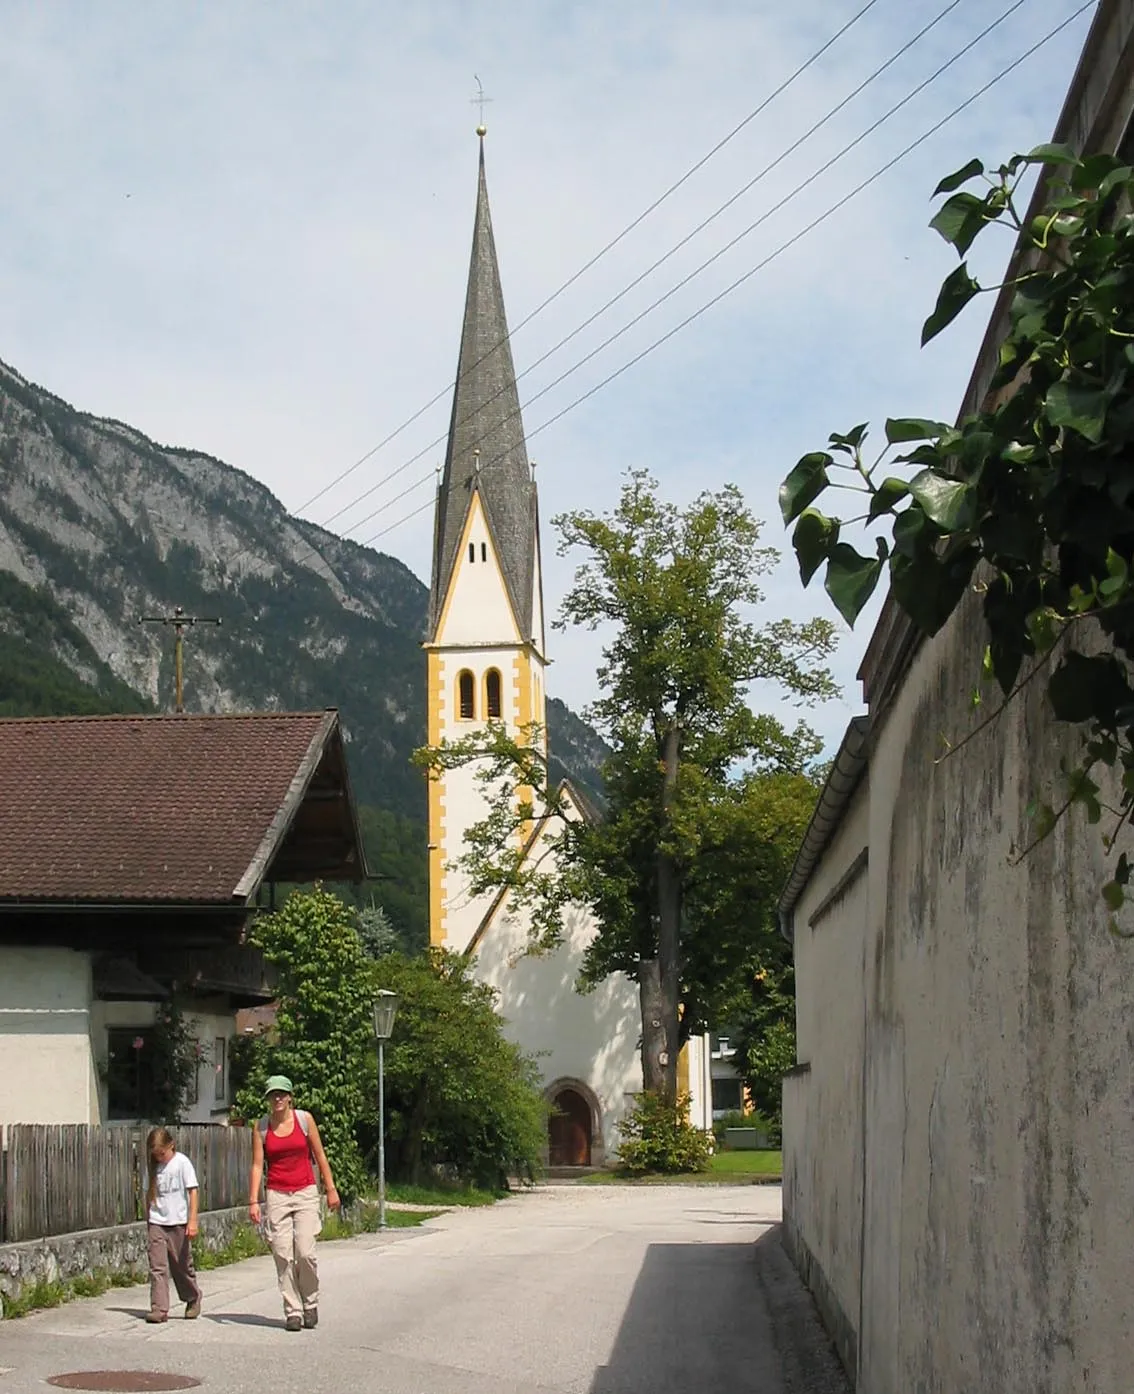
pixel 99 526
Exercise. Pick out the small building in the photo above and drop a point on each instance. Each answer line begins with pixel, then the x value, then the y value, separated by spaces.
pixel 134 850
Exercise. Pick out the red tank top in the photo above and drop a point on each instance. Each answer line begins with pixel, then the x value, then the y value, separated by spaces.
pixel 288 1159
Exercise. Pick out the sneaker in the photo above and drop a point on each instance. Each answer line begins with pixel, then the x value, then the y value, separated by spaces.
pixel 193 1309
pixel 311 1318
pixel 293 1324
pixel 155 1317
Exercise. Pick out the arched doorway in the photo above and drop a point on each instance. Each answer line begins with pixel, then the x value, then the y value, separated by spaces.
pixel 569 1130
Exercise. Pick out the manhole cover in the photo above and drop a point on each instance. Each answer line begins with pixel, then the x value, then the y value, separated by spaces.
pixel 123 1381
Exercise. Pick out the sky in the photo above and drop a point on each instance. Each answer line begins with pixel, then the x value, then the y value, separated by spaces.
pixel 245 229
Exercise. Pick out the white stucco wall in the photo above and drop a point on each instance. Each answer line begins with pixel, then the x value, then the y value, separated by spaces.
pixel 47 1072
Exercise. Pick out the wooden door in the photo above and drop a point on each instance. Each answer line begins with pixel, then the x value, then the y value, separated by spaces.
pixel 569 1131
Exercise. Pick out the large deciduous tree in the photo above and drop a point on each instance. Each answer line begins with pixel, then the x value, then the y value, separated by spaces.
pixel 675 591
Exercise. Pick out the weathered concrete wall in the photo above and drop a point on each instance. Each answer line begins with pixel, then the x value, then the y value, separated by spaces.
pixel 120 1249
pixel 822 1141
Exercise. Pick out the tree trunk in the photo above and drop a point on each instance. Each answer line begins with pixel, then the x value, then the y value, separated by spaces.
pixel 669 929
pixel 654 1044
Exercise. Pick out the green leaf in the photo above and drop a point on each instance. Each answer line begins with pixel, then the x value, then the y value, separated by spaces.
pixel 959 220
pixel 959 177
pixel 851 579
pixel 1086 689
pixel 1077 409
pixel 1122 175
pixel 957 290
pixel 814 536
pixel 903 428
pixel 806 482
pixel 1113 895
pixel 890 492
pixel 943 501
pixel 908 527
pixel 853 438
pixel 1051 155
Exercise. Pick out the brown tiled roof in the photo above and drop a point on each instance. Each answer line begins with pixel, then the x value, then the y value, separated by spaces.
pixel 149 808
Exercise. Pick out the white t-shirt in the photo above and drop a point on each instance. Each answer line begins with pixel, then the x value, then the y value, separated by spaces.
pixel 175 1179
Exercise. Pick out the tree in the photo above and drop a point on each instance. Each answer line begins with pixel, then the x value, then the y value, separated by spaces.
pixel 460 1096
pixel 1030 500
pixel 324 1036
pixel 377 932
pixel 676 588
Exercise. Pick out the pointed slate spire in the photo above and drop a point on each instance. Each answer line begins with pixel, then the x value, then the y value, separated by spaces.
pixel 486 452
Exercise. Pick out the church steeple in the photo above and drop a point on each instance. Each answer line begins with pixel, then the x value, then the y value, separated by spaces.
pixel 487 454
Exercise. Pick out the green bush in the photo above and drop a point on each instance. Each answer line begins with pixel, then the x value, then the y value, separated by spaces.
pixel 463 1102
pixel 657 1136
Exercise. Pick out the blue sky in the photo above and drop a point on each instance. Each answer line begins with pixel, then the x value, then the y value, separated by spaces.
pixel 246 228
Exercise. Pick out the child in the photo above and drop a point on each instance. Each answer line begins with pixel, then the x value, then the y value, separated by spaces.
pixel 172 1213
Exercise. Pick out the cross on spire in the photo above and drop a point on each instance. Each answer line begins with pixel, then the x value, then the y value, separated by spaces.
pixel 481 101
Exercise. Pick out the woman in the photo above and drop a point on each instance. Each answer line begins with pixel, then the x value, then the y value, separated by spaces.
pixel 287 1141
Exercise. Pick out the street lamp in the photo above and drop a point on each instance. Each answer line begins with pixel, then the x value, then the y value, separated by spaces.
pixel 385 1010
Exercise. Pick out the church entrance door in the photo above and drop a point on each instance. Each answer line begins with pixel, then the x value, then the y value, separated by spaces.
pixel 569 1131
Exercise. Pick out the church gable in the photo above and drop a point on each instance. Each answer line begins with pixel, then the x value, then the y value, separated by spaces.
pixel 477 608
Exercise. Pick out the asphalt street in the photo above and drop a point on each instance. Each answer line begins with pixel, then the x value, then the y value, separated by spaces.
pixel 567 1289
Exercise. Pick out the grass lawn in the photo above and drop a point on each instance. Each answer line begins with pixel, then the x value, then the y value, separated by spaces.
pixel 725 1168
pixel 438 1195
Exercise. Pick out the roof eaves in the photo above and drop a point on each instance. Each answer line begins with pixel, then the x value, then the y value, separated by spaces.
pixel 849 766
pixel 277 829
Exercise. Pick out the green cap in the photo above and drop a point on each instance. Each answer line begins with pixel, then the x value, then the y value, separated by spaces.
pixel 279 1083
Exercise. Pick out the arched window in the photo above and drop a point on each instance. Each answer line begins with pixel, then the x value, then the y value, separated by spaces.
pixel 492 699
pixel 466 696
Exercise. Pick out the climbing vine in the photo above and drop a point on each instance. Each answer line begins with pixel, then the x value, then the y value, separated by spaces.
pixel 1029 501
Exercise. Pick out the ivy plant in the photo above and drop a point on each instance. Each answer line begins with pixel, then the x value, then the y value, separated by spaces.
pixel 1030 500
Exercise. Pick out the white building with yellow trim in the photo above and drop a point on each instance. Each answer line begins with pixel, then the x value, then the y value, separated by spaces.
pixel 487 659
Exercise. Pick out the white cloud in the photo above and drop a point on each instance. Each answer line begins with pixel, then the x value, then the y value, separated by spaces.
pixel 246 229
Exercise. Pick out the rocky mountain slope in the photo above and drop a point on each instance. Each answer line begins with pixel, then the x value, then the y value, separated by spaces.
pixel 98 526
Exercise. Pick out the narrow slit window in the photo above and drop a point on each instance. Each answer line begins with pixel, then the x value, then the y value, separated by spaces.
pixel 492 694
pixel 466 696
pixel 484 551
pixel 472 551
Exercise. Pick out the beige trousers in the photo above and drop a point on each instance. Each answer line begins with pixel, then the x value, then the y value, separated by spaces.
pixel 291 1222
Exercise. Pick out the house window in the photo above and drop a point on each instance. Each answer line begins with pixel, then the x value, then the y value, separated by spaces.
pixel 129 1071
pixel 466 696
pixel 193 1093
pixel 220 1072
pixel 484 551
pixel 492 698
pixel 726 1095
pixel 472 551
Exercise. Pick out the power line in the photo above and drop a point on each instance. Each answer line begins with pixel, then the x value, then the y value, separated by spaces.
pixel 834 111
pixel 785 246
pixel 716 256
pixel 594 260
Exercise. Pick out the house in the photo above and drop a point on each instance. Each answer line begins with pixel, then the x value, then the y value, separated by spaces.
pixel 959 1130
pixel 133 852
pixel 486 658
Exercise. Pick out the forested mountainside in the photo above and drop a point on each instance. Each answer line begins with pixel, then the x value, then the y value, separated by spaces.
pixel 99 525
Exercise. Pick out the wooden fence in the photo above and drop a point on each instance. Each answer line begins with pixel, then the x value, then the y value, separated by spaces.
pixel 59 1178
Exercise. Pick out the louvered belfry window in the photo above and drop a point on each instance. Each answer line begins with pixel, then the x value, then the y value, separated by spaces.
pixel 466 696
pixel 492 694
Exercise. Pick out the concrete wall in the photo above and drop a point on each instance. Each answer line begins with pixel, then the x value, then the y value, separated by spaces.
pixel 823 1103
pixel 47 1069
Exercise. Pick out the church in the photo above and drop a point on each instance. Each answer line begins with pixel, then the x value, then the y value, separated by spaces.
pixel 486 654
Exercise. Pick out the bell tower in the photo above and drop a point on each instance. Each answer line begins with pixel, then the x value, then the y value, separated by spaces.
pixel 485 650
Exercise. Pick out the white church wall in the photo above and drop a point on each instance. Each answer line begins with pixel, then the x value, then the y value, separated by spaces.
pixel 478 603
pixel 590 1037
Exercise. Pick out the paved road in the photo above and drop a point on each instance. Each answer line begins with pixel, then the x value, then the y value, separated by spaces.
pixel 566 1290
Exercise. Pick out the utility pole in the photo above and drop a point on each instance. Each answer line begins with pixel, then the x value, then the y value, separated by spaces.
pixel 180 622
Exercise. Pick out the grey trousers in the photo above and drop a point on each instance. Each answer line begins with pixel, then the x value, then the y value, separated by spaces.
pixel 170 1252
pixel 291 1222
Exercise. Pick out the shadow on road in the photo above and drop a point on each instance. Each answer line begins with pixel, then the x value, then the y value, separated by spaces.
pixel 241 1319
pixel 725 1316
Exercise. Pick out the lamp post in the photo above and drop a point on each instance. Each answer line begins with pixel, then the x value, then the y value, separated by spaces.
pixel 385 1010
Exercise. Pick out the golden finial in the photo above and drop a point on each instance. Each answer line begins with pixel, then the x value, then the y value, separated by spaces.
pixel 481 101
